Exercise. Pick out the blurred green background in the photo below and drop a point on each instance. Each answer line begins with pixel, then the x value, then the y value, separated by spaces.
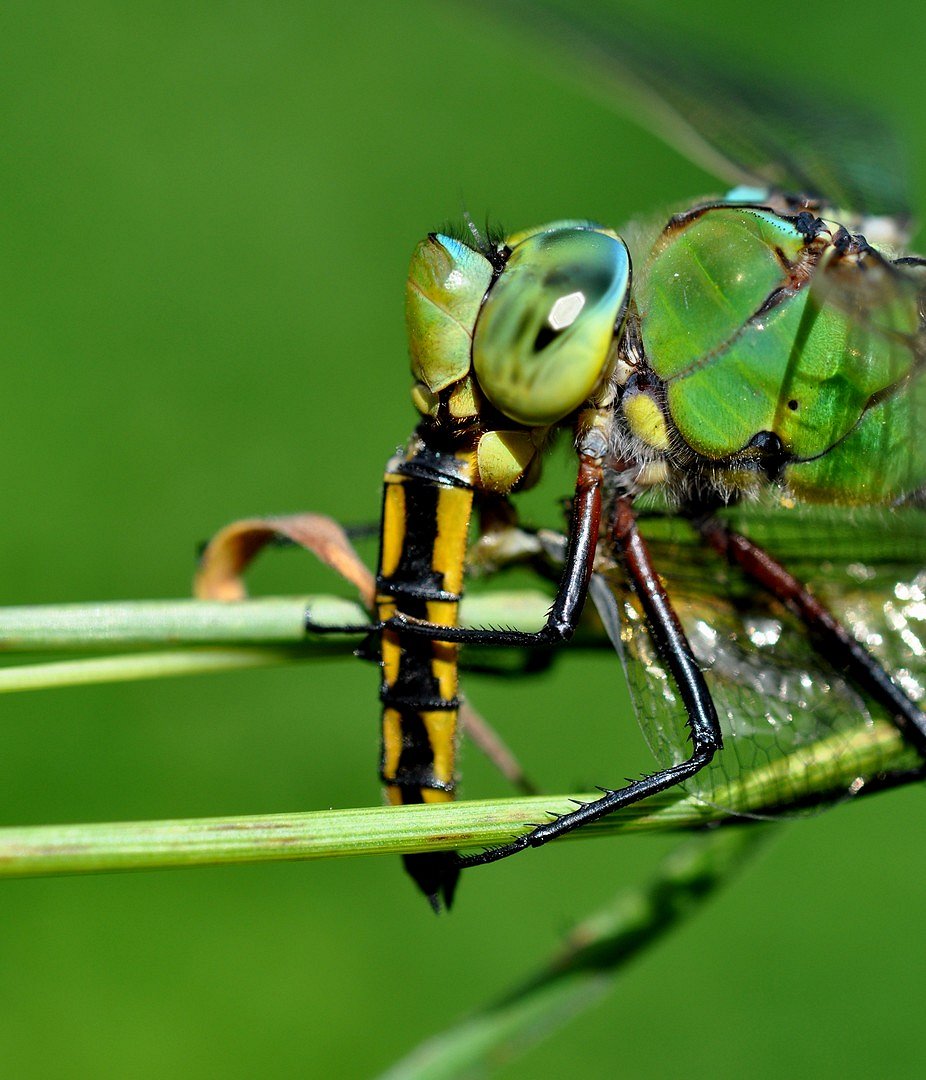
pixel 207 211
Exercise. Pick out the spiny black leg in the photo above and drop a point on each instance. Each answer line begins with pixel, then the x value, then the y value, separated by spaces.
pixel 831 638
pixel 673 647
pixel 607 804
pixel 573 586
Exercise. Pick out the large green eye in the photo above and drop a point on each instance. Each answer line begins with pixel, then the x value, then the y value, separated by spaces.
pixel 446 284
pixel 545 330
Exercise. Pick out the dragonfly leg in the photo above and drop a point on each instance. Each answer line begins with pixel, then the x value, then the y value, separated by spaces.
pixel 573 585
pixel 670 641
pixel 609 802
pixel 832 639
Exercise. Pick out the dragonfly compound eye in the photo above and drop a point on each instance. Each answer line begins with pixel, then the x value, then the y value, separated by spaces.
pixel 446 284
pixel 544 333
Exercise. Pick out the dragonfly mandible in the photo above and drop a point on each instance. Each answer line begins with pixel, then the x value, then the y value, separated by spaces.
pixel 760 354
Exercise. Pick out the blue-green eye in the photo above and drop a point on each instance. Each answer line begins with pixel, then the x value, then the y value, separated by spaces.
pixel 446 284
pixel 544 333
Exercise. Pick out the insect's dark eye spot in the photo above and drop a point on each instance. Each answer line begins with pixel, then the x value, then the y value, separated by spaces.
pixel 792 405
pixel 545 335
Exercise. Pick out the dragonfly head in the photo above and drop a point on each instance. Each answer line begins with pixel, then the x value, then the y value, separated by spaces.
pixel 533 326
pixel 510 340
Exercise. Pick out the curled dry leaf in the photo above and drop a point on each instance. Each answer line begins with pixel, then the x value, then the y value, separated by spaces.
pixel 232 549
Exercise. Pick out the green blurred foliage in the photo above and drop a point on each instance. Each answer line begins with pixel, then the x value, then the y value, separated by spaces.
pixel 207 211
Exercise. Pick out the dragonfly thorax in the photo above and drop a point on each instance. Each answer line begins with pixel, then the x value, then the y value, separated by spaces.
pixel 778 347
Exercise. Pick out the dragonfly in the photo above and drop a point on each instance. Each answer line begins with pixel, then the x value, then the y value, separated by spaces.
pixel 744 387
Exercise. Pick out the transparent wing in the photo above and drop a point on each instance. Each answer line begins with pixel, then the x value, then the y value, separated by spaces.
pixel 744 129
pixel 797 732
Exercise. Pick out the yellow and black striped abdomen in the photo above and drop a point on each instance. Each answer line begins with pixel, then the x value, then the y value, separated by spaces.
pixel 427 503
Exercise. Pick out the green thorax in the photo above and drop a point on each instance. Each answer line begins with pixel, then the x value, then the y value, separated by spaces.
pixel 756 323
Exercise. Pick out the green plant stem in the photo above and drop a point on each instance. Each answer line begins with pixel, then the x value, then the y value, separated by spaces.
pixel 222 636
pixel 134 623
pixel 383 830
pixel 68 849
pixel 207 636
pixel 587 967
pixel 147 665
pixel 266 621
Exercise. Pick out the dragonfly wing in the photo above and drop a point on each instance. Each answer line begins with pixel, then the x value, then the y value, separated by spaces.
pixel 797 732
pixel 743 129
